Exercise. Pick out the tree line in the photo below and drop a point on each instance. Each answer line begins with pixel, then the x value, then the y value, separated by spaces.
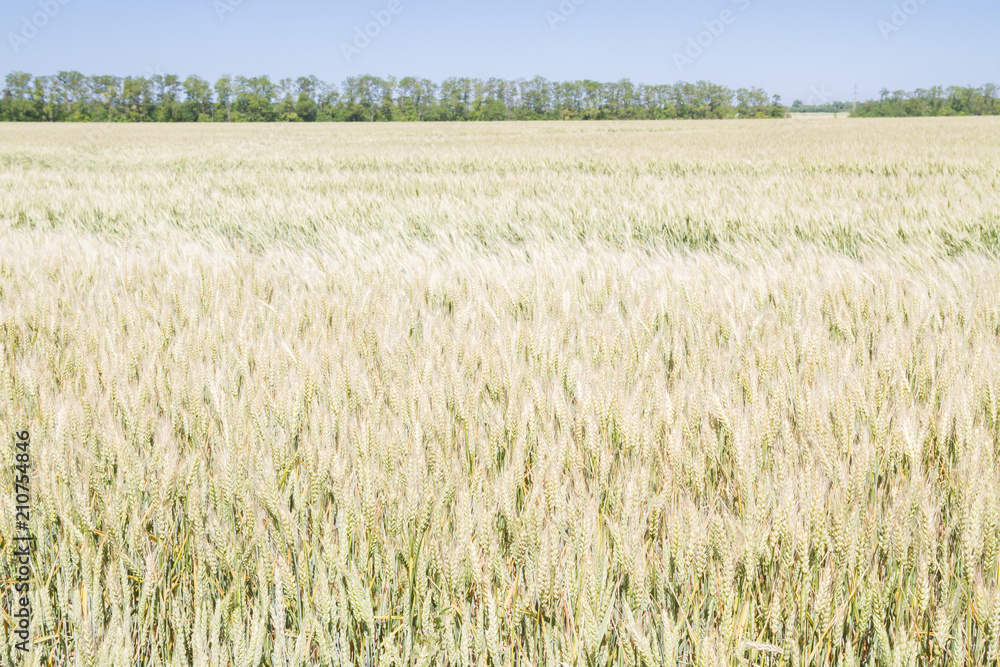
pixel 798 106
pixel 935 101
pixel 72 96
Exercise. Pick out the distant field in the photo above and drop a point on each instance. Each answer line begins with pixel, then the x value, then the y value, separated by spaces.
pixel 672 185
pixel 711 393
pixel 820 115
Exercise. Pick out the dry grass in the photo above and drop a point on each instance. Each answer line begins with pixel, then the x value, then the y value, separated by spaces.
pixel 653 393
pixel 681 184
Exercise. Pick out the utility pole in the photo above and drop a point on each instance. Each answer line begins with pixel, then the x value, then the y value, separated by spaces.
pixel 855 97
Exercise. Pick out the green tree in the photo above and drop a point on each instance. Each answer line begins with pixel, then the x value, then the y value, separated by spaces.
pixel 362 98
pixel 197 99
pixel 254 100
pixel 17 102
pixel 224 94
pixel 306 104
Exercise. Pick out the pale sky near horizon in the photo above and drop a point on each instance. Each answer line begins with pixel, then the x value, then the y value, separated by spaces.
pixel 810 50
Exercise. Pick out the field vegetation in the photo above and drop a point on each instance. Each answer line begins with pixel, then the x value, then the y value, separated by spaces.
pixel 75 97
pixel 665 393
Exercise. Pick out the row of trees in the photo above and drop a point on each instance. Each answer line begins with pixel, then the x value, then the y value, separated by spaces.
pixel 936 101
pixel 798 106
pixel 72 96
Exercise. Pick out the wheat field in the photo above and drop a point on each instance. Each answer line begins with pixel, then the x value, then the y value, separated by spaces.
pixel 674 393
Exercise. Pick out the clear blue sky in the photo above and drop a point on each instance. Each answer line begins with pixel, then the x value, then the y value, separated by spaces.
pixel 796 48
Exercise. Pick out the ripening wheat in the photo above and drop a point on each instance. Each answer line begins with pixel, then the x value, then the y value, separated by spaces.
pixel 534 394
